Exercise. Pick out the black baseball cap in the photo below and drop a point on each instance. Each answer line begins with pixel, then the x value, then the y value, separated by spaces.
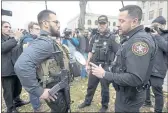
pixel 102 19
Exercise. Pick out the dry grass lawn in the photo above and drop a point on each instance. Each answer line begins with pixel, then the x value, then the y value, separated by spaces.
pixel 78 91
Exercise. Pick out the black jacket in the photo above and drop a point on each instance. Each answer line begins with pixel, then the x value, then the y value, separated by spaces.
pixel 132 68
pixel 25 67
pixel 160 66
pixel 133 59
pixel 7 44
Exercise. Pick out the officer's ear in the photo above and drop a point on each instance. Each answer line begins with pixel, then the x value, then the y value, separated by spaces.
pixel 45 24
pixel 134 22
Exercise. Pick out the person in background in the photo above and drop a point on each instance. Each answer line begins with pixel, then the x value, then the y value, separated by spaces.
pixel 84 49
pixel 160 36
pixel 10 83
pixel 102 49
pixel 70 37
pixel 34 32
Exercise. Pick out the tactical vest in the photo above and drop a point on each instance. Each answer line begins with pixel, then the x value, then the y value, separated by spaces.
pixel 51 67
pixel 102 49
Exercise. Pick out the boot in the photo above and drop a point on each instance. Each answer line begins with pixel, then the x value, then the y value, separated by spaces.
pixel 103 109
pixel 83 105
pixel 19 102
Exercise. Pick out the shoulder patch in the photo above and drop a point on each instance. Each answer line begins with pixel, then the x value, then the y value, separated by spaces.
pixel 140 48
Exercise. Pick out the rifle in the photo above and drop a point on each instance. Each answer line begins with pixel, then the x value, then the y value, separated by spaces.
pixel 62 85
pixel 64 80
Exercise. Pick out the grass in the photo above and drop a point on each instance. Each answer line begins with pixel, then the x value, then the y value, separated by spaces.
pixel 78 92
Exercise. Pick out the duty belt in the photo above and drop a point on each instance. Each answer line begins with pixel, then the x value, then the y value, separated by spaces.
pixel 144 87
pixel 138 88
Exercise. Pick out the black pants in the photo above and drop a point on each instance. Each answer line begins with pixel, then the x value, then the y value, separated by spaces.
pixel 129 100
pixel 92 85
pixel 156 84
pixel 12 89
pixel 59 105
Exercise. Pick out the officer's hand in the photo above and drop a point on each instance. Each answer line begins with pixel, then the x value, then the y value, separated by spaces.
pixel 47 96
pixel 97 70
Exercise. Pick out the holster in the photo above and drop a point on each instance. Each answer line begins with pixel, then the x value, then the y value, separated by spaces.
pixel 116 87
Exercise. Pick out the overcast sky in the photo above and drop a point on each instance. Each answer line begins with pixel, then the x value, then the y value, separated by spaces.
pixel 26 11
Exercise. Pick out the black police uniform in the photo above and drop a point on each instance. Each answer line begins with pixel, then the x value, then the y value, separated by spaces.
pixel 103 48
pixel 25 67
pixel 131 70
pixel 158 72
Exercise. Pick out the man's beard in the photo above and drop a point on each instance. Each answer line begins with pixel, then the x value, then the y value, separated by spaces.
pixel 54 33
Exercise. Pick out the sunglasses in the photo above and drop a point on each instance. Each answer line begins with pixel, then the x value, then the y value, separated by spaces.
pixel 55 21
pixel 102 23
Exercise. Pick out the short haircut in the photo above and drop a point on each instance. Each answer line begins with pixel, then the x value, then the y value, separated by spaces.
pixel 31 24
pixel 133 11
pixel 3 22
pixel 44 15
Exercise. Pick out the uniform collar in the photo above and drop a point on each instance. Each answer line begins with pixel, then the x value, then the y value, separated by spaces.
pixel 135 30
pixel 44 33
pixel 131 33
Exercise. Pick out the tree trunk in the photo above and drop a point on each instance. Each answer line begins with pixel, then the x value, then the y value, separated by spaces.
pixel 81 21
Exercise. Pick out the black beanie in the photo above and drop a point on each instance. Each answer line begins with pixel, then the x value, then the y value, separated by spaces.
pixel 160 20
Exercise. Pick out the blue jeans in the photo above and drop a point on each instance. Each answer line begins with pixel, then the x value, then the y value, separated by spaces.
pixel 35 101
pixel 83 69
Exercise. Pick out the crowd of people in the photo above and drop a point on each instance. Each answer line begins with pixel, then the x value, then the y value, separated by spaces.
pixel 132 59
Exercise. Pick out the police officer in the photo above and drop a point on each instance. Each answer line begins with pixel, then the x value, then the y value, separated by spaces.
pixel 37 52
pixel 160 67
pixel 101 51
pixel 133 62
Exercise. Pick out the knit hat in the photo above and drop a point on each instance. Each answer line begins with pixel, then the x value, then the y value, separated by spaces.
pixel 160 20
